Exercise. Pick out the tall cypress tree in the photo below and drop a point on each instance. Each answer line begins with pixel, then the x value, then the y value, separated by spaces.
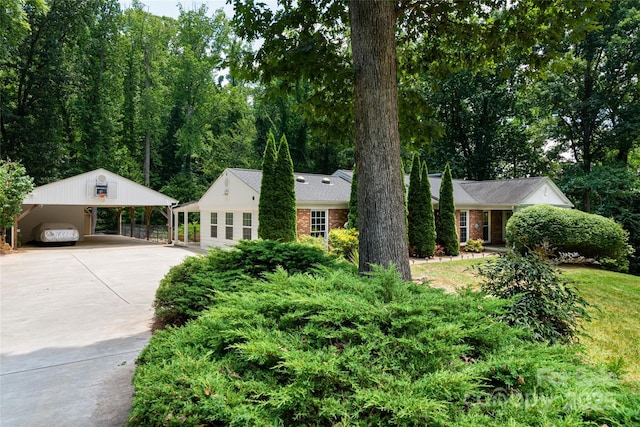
pixel 267 205
pixel 413 214
pixel 286 218
pixel 447 233
pixel 352 219
pixel 427 213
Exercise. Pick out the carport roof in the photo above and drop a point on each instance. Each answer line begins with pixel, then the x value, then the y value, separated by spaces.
pixel 83 189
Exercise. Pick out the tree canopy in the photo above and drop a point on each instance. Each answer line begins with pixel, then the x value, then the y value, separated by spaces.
pixel 498 89
pixel 15 184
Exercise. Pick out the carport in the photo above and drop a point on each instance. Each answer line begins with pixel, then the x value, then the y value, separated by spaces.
pixel 76 200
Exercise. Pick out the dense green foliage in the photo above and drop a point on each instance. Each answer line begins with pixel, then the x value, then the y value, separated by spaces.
pixel 569 231
pixel 286 219
pixel 614 192
pixel 420 218
pixel 352 218
pixel 429 215
pixel 541 301
pixel 413 231
pixel 474 246
pixel 15 184
pixel 190 287
pixel 268 204
pixel 447 231
pixel 343 242
pixel 172 102
pixel 277 205
pixel 334 348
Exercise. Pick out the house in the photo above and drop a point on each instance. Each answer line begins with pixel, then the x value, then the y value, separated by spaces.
pixel 69 200
pixel 229 208
pixel 484 207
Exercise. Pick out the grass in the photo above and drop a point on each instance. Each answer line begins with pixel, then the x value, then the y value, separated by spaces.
pixel 613 335
pixel 448 275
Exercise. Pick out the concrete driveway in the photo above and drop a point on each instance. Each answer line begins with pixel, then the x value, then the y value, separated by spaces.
pixel 73 320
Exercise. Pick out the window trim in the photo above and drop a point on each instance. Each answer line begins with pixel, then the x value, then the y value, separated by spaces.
pixel 486 225
pixel 324 232
pixel 247 227
pixel 463 237
pixel 228 222
pixel 213 232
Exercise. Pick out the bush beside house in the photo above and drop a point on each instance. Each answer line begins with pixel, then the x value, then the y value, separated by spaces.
pixel 446 225
pixel 569 231
pixel 420 217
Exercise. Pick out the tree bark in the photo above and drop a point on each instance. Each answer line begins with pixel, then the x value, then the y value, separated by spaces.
pixel 381 213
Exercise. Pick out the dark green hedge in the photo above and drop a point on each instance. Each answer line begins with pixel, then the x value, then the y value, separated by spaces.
pixel 189 288
pixel 568 230
pixel 335 349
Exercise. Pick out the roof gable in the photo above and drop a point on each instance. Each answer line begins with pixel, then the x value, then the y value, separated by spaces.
pixel 81 190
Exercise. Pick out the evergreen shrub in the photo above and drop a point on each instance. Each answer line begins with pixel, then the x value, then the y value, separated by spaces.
pixel 316 242
pixel 542 302
pixel 420 217
pixel 333 348
pixel 569 231
pixel 446 226
pixel 189 288
pixel 474 246
pixel 343 242
pixel 352 218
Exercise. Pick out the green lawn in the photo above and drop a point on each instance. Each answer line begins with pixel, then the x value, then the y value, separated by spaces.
pixel 614 331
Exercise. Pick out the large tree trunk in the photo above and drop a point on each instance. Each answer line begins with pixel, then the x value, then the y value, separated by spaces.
pixel 380 199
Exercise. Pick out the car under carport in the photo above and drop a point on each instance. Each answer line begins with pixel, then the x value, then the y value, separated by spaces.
pixel 75 200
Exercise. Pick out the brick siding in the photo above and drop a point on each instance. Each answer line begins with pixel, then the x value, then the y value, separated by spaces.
pixel 304 221
pixel 475 217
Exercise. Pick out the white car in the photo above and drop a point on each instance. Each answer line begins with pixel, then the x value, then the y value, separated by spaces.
pixel 56 232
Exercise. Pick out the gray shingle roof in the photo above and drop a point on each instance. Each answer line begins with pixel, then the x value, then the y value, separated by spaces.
pixel 502 192
pixel 313 189
pixel 508 192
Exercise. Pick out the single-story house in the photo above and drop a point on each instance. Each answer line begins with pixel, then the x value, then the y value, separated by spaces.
pixel 70 201
pixel 229 208
pixel 484 207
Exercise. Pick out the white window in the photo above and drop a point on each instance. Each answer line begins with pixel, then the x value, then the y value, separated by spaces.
pixel 464 226
pixel 247 220
pixel 319 224
pixel 485 226
pixel 228 221
pixel 214 225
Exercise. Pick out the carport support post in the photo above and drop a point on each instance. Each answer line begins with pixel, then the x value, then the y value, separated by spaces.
pixel 147 212
pixel 169 224
pixel 176 225
pixel 186 228
pixel 14 234
pixel 132 217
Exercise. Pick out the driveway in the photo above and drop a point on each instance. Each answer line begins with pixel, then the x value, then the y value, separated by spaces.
pixel 73 320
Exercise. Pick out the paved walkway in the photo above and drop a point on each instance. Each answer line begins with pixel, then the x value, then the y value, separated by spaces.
pixel 72 322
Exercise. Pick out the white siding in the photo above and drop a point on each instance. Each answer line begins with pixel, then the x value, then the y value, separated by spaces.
pixel 80 190
pixel 546 194
pixel 227 194
pixel 221 241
